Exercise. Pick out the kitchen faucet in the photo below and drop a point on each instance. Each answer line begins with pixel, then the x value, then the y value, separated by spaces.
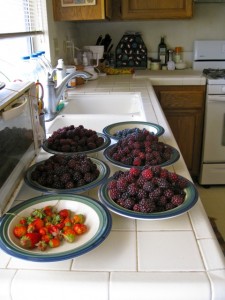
pixel 53 92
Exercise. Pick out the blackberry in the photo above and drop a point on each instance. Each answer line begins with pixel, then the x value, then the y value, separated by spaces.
pixel 136 207
pixel 77 176
pixel 163 183
pixel 117 174
pixel 81 182
pixel 112 184
pixel 148 186
pixel 57 185
pixel 122 184
pixel 141 181
pixel 157 192
pixel 114 194
pixel 69 185
pixel 169 206
pixel 66 177
pixel 182 183
pixel 129 203
pixel 162 201
pixel 89 177
pixel 142 194
pixel 177 200
pixel 132 189
pixel 168 193
pixel 146 206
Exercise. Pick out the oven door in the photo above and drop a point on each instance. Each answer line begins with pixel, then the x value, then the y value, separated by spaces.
pixel 18 143
pixel 214 131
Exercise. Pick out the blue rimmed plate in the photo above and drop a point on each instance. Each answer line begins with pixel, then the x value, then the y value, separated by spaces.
pixel 113 130
pixel 105 144
pixel 175 155
pixel 190 199
pixel 104 172
pixel 97 218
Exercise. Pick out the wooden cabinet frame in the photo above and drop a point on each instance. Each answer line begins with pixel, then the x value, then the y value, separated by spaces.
pixel 100 11
pixel 156 9
pixel 184 108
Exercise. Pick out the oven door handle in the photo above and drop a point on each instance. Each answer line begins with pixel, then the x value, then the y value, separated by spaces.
pixel 215 98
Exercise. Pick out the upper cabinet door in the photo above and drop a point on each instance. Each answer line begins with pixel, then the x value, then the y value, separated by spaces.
pixel 156 9
pixel 100 11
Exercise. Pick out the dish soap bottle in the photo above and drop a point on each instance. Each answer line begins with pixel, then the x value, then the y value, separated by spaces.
pixel 61 71
pixel 162 51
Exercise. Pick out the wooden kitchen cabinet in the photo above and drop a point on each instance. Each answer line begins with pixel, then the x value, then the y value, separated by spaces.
pixel 184 108
pixel 101 11
pixel 156 9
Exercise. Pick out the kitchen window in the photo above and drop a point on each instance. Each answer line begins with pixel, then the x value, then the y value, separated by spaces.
pixel 22 32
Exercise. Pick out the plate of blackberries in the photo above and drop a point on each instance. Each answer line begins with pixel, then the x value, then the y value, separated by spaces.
pixel 74 173
pixel 120 130
pixel 75 139
pixel 152 193
pixel 139 150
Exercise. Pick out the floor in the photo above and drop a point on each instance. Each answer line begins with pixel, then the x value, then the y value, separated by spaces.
pixel 213 199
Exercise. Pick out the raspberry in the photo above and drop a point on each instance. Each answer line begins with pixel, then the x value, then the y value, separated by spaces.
pixel 164 173
pixel 173 177
pixel 134 171
pixel 147 174
pixel 137 161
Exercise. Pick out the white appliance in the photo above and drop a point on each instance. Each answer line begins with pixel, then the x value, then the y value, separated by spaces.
pixel 209 56
pixel 19 137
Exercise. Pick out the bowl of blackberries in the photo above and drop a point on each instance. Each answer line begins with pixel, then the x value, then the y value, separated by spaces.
pixel 152 193
pixel 74 173
pixel 75 139
pixel 121 130
pixel 141 149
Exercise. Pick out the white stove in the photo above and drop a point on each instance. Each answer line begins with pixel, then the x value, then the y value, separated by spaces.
pixel 209 56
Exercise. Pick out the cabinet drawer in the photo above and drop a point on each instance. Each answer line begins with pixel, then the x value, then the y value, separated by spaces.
pixel 181 99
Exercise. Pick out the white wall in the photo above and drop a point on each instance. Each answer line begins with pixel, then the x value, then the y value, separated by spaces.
pixel 208 22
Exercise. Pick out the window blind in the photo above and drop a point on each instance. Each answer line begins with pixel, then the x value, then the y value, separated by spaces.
pixel 20 18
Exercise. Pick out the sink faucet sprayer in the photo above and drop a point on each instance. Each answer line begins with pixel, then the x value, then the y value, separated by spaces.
pixel 54 93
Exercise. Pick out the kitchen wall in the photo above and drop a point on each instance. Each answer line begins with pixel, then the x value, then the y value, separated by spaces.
pixel 208 22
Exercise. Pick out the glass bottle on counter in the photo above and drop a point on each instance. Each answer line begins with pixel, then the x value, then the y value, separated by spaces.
pixel 178 54
pixel 162 51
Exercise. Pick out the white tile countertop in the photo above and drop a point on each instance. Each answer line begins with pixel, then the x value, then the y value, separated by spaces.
pixel 177 258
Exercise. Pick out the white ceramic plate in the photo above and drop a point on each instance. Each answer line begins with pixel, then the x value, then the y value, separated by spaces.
pixel 174 157
pixel 98 220
pixel 106 143
pixel 190 200
pixel 112 129
pixel 102 167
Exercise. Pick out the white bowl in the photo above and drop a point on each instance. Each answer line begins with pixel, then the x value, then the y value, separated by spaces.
pixel 180 66
pixel 97 218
